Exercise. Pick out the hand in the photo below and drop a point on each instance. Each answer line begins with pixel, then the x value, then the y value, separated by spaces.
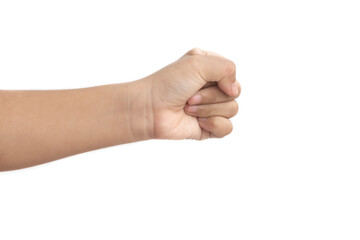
pixel 199 84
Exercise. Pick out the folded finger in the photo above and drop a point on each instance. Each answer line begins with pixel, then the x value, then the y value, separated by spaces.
pixel 211 95
pixel 217 126
pixel 225 109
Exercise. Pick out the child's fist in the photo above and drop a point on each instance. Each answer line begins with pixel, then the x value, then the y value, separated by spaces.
pixel 199 84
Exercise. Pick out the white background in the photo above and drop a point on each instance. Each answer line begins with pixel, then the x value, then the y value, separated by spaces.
pixel 289 170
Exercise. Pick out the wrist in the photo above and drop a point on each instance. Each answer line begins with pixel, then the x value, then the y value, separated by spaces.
pixel 135 110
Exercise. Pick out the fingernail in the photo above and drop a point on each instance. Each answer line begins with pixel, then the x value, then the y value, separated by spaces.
pixel 192 108
pixel 234 89
pixel 202 119
pixel 195 99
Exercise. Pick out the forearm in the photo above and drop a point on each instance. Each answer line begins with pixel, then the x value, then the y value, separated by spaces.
pixel 41 126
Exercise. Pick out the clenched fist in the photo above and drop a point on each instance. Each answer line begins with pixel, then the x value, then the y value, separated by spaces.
pixel 193 97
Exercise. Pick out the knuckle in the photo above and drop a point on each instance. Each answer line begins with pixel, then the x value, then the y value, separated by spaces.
pixel 238 95
pixel 230 67
pixel 226 130
pixel 230 129
pixel 235 107
pixel 196 51
pixel 193 60
pixel 220 136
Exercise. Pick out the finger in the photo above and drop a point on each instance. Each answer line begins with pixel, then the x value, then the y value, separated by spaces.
pixel 215 68
pixel 225 109
pixel 209 84
pixel 217 126
pixel 211 95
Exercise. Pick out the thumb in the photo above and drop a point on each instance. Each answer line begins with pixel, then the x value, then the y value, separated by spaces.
pixel 215 68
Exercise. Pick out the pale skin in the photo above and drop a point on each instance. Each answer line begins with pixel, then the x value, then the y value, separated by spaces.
pixel 191 98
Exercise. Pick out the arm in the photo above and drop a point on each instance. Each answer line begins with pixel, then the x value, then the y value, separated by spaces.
pixel 41 126
pixel 192 98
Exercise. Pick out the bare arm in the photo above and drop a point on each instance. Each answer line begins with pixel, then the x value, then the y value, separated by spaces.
pixel 191 98
pixel 40 126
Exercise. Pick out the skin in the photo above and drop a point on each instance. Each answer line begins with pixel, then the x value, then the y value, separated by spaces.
pixel 191 98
